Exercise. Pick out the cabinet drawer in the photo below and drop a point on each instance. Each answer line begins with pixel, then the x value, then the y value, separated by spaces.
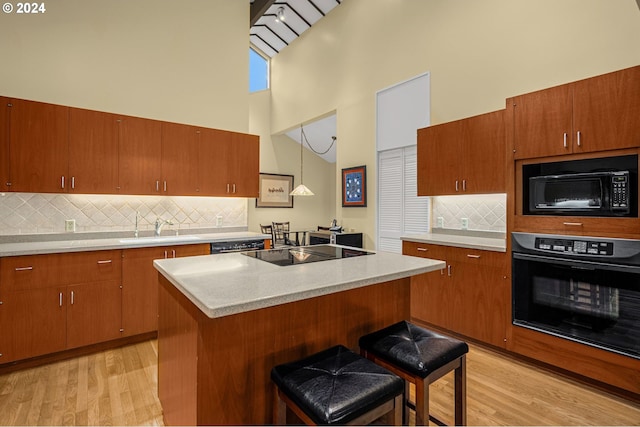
pixel 424 250
pixel 44 271
pixel 480 257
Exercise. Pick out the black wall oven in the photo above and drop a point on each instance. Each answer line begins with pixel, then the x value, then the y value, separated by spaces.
pixel 585 289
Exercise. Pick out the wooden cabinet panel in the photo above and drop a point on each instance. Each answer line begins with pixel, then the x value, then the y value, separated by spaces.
pixel 140 284
pixel 93 152
pixel 471 296
pixel 229 163
pixel 595 114
pixel 32 323
pixel 4 143
pixel 38 147
pixel 179 159
pixel 93 313
pixel 463 157
pixel 140 156
pixel 606 111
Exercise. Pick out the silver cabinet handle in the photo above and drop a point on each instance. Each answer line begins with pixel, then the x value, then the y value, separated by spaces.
pixel 565 140
pixel 60 299
pixel 234 189
pixel 456 185
pixel 574 224
pixel 579 142
pixel 62 182
pixel 422 249
pixel 473 256
pixel 227 188
pixel 165 186
pixel 449 270
pixel 73 182
pixel 105 261
pixel 24 268
pixel 72 297
pixel 157 185
pixel 165 254
pixel 464 185
pixel 173 253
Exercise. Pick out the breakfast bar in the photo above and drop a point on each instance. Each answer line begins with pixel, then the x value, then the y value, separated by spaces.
pixel 225 320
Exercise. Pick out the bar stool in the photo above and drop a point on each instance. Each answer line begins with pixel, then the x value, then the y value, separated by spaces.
pixel 420 357
pixel 336 386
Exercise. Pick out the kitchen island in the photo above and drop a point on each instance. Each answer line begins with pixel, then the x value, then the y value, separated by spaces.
pixel 226 320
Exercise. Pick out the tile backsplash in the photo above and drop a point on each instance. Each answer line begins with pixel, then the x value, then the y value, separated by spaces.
pixel 36 213
pixel 485 212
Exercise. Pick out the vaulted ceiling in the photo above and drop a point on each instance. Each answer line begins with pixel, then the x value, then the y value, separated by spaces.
pixel 274 24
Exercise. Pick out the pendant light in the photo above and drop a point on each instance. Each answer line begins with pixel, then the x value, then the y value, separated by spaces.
pixel 301 190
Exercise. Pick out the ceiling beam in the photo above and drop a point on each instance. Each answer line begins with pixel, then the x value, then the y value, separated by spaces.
pixel 258 8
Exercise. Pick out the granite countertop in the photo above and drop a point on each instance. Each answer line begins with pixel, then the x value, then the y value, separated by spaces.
pixel 225 284
pixel 52 244
pixel 488 241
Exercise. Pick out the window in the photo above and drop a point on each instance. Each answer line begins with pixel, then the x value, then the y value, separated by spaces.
pixel 258 71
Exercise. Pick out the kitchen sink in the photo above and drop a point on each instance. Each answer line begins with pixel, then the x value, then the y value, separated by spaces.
pixel 159 239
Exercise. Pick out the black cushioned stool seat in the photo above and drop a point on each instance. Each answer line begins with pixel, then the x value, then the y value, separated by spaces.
pixel 420 357
pixel 336 386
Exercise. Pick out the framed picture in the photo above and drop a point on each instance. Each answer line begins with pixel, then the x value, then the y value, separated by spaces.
pixel 354 187
pixel 274 191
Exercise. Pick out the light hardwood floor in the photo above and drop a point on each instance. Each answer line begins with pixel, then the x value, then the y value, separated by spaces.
pixel 119 387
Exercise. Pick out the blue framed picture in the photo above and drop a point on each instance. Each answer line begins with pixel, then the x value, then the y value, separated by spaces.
pixel 354 186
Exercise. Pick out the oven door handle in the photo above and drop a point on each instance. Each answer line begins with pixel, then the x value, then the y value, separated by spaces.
pixel 580 264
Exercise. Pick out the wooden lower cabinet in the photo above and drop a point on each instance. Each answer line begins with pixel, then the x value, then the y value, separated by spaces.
pixel 56 302
pixel 471 296
pixel 140 284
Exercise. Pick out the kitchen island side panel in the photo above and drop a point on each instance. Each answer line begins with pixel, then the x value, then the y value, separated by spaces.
pixel 235 353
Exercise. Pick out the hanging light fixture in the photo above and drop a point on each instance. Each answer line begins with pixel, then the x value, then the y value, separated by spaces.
pixel 280 16
pixel 301 190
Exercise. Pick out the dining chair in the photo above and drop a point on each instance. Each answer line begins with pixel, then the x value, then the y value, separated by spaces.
pixel 281 234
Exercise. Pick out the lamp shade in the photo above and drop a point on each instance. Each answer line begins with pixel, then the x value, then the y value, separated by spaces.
pixel 301 190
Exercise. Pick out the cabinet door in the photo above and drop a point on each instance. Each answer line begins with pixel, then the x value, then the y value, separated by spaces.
pixel 93 313
pixel 140 156
pixel 93 152
pixel 32 323
pixel 179 159
pixel 484 154
pixel 244 160
pixel 481 300
pixel 38 142
pixel 191 250
pixel 214 164
pixel 439 164
pixel 606 111
pixel 4 143
pixel 140 290
pixel 543 122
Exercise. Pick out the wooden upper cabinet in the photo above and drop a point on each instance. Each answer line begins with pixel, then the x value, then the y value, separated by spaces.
pixel 4 143
pixel 179 159
pixel 93 152
pixel 606 111
pixel 463 157
pixel 140 156
pixel 38 143
pixel 595 114
pixel 229 164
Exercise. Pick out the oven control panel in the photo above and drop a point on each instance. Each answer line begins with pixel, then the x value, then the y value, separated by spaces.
pixel 580 247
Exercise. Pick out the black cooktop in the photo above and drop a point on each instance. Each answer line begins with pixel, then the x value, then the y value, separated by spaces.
pixel 305 254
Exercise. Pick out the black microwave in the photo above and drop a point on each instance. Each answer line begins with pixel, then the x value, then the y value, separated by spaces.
pixel 592 187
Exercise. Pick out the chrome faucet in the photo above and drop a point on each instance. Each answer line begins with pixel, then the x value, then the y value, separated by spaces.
pixel 159 223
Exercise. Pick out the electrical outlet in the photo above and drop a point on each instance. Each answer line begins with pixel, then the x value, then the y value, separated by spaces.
pixel 465 223
pixel 440 222
pixel 70 225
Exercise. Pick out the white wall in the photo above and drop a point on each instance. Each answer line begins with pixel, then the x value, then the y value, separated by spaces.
pixel 183 61
pixel 478 53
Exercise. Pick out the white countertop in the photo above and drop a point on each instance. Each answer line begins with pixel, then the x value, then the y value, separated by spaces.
pixel 497 244
pixel 80 245
pixel 225 284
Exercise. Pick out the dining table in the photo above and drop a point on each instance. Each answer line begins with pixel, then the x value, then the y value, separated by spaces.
pixel 300 236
